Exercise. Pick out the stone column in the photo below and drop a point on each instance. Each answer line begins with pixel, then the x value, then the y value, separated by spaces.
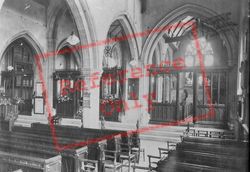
pixel 48 73
pixel 91 100
pixel 1 3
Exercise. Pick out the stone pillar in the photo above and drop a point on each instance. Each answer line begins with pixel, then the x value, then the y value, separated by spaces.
pixel 48 73
pixel 1 3
pixel 91 100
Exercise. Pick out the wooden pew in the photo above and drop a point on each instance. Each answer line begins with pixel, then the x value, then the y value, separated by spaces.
pixel 14 158
pixel 213 148
pixel 68 132
pixel 114 137
pixel 176 166
pixel 69 157
pixel 42 140
pixel 96 133
pixel 94 150
pixel 209 159
pixel 206 154
pixel 223 142
pixel 180 161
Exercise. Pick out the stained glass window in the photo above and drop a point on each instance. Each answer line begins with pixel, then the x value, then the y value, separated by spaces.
pixel 191 58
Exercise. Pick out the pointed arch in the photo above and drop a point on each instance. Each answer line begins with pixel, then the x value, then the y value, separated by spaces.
pixel 129 29
pixel 177 14
pixel 84 25
pixel 64 44
pixel 29 38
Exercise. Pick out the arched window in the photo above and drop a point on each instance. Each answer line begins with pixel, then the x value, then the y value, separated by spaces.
pixel 19 56
pixel 17 76
pixel 191 58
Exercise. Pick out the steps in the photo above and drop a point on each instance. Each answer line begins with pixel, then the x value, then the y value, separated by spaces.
pixel 26 121
pixel 151 132
pixel 156 132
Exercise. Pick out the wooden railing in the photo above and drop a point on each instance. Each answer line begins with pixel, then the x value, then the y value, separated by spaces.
pixel 186 110
pixel 66 109
pixel 26 107
pixel 217 118
pixel 163 112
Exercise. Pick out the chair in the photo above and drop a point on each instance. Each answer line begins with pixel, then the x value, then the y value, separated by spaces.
pixel 171 145
pixel 136 146
pixel 163 152
pixel 87 165
pixel 153 162
pixel 110 160
pixel 163 155
pixel 125 154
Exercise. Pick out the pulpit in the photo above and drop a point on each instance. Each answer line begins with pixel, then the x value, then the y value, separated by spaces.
pixel 8 112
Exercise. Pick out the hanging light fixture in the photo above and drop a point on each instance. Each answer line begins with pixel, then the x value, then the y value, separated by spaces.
pixel 73 39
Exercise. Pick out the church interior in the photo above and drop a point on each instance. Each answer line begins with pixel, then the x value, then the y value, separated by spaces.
pixel 124 85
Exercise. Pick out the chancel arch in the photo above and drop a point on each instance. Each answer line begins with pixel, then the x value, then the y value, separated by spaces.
pixel 18 71
pixel 180 94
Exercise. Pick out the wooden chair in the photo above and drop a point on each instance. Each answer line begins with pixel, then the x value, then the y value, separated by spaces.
pixel 125 154
pixel 136 146
pixel 163 153
pixel 87 165
pixel 171 145
pixel 153 162
pixel 109 160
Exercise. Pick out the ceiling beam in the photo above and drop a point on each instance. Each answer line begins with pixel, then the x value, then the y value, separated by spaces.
pixel 175 39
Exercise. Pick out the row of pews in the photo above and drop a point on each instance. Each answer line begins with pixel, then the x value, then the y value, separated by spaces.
pixel 32 149
pixel 206 151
